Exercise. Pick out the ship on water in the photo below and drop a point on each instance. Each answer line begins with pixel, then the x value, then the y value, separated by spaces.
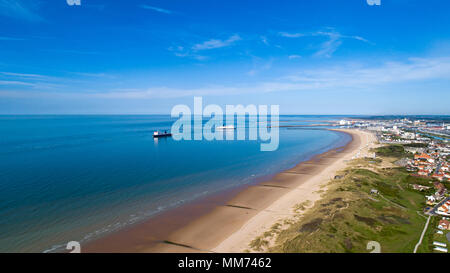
pixel 227 127
pixel 158 134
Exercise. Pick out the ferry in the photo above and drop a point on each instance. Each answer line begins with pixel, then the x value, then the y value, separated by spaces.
pixel 158 134
pixel 228 127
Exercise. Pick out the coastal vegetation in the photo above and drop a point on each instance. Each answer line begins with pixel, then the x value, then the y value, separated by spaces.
pixel 392 151
pixel 371 200
pixel 416 145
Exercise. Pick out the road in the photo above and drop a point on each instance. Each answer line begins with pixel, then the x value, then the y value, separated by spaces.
pixel 438 167
pixel 433 211
pixel 423 234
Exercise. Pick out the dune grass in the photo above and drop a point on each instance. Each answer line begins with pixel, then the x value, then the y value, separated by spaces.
pixel 349 216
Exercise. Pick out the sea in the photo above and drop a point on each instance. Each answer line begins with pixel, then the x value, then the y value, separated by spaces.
pixel 76 178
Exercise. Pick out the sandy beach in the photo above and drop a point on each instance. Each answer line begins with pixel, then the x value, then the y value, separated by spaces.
pixel 233 222
pixel 303 189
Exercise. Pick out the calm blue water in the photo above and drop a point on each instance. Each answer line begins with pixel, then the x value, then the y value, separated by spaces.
pixel 66 178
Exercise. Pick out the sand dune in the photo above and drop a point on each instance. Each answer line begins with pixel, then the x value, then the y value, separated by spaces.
pixel 306 189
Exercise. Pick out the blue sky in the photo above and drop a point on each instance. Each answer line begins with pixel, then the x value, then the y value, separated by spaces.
pixel 145 56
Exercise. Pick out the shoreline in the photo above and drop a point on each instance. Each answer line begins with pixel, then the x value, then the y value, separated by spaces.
pixel 227 222
pixel 310 190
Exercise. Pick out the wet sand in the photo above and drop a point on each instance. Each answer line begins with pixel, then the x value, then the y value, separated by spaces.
pixel 229 221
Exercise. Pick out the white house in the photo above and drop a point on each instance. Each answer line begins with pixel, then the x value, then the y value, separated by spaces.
pixel 439 244
pixel 441 249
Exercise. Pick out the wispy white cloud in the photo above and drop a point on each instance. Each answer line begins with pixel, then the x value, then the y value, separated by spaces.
pixel 216 43
pixel 342 75
pixel 334 42
pixel 193 51
pixel 18 9
pixel 161 10
pixel 362 77
pixel 348 76
pixel 15 83
pixel 23 75
pixel 93 75
pixel 291 35
pixel 327 48
pixel 182 52
pixel 22 79
pixel 292 57
pixel 41 86
pixel 358 38
pixel 45 82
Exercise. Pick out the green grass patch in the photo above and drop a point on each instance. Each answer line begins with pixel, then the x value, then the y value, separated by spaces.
pixel 348 216
pixel 397 151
